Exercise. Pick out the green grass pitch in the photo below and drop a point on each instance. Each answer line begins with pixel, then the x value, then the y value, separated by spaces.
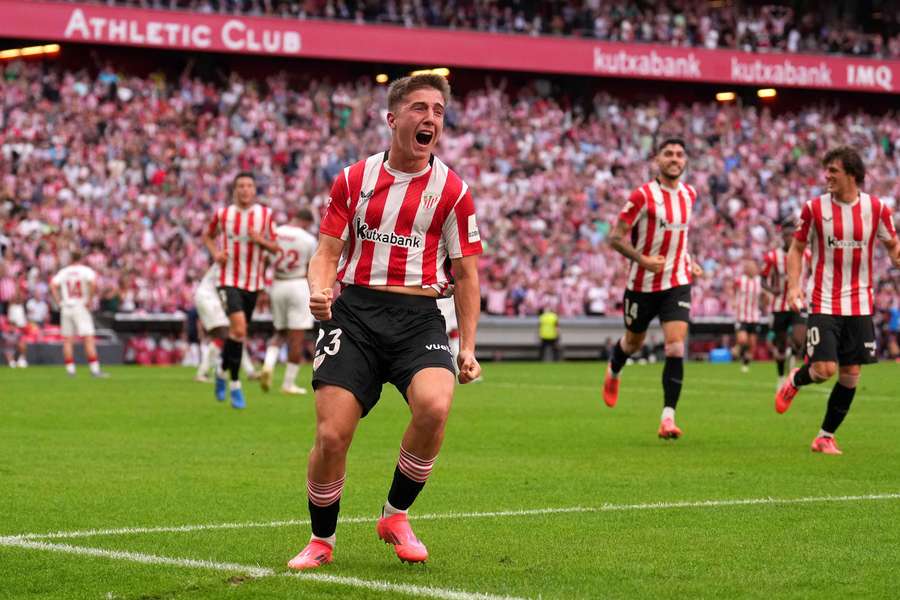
pixel 610 510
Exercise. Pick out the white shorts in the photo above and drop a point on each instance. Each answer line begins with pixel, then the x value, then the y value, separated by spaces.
pixel 290 304
pixel 76 320
pixel 447 306
pixel 209 309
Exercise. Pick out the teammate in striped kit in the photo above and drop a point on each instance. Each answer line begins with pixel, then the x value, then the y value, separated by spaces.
pixel 747 292
pixel 786 325
pixel 841 228
pixel 248 231
pixel 397 225
pixel 652 232
pixel 289 296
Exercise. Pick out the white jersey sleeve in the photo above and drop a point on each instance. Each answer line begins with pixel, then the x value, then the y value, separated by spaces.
pixel 295 247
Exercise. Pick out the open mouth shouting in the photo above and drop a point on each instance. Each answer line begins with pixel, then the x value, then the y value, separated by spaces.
pixel 424 137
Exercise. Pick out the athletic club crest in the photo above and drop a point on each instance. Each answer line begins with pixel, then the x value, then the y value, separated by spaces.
pixel 430 199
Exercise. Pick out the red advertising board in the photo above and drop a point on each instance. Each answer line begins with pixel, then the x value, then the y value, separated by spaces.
pixel 88 23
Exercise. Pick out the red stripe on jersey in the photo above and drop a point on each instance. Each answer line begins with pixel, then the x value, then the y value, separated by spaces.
pixel 450 194
pixel 650 218
pixel 857 256
pixel 681 235
pixel 837 263
pixel 816 300
pixel 354 186
pixel 251 248
pixel 236 267
pixel 374 213
pixel 667 239
pixel 405 218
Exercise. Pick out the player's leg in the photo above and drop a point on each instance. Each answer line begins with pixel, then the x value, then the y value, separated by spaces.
pixel 779 343
pixel 638 310
pixel 337 415
pixel 233 352
pixel 674 334
pixel 742 344
pixel 84 325
pixel 90 350
pixel 822 349
pixel 273 349
pixel 295 339
pixel 430 395
pixel 838 406
pixel 751 346
pixel 797 340
pixel 298 319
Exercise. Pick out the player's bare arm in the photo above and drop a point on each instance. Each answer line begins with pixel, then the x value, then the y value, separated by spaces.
pixel 209 240
pixel 54 291
pixel 696 269
pixel 794 267
pixel 265 242
pixel 893 248
pixel 468 307
pixel 619 240
pixel 322 275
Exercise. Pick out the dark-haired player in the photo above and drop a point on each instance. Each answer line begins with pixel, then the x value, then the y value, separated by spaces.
pixel 840 227
pixel 652 232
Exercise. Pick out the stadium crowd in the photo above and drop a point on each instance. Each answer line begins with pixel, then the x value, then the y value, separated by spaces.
pixel 130 168
pixel 745 26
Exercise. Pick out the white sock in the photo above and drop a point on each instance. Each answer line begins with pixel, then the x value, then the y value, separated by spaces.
pixel 215 357
pixel 94 366
pixel 203 366
pixel 329 540
pixel 668 413
pixel 235 385
pixel 389 510
pixel 290 375
pixel 823 433
pixel 271 358
pixel 70 368
pixel 246 363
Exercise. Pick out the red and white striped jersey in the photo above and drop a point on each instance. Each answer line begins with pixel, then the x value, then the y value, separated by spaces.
pixel 401 228
pixel 660 218
pixel 746 299
pixel 775 269
pixel 842 239
pixel 75 285
pixel 245 267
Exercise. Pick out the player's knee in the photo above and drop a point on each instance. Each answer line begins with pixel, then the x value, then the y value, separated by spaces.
pixel 849 377
pixel 431 415
pixel 674 349
pixel 238 333
pixel 822 371
pixel 332 441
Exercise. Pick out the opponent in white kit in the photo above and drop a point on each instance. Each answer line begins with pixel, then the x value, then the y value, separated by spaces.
pixel 289 296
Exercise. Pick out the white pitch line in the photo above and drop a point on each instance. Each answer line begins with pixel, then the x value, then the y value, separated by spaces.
pixel 466 515
pixel 253 570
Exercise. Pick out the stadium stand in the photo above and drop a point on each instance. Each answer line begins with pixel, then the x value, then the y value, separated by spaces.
pixel 752 27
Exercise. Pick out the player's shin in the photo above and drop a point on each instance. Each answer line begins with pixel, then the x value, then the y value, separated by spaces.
pixel 838 407
pixel 231 358
pixel 672 376
pixel 271 358
pixel 618 359
pixel 324 506
pixel 410 476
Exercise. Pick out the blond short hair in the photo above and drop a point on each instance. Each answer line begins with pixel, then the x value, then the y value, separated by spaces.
pixel 401 88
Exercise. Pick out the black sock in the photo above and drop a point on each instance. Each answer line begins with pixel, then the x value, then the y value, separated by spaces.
pixel 619 358
pixel 802 377
pixel 838 406
pixel 403 490
pixel 231 357
pixel 324 518
pixel 779 364
pixel 745 355
pixel 673 373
